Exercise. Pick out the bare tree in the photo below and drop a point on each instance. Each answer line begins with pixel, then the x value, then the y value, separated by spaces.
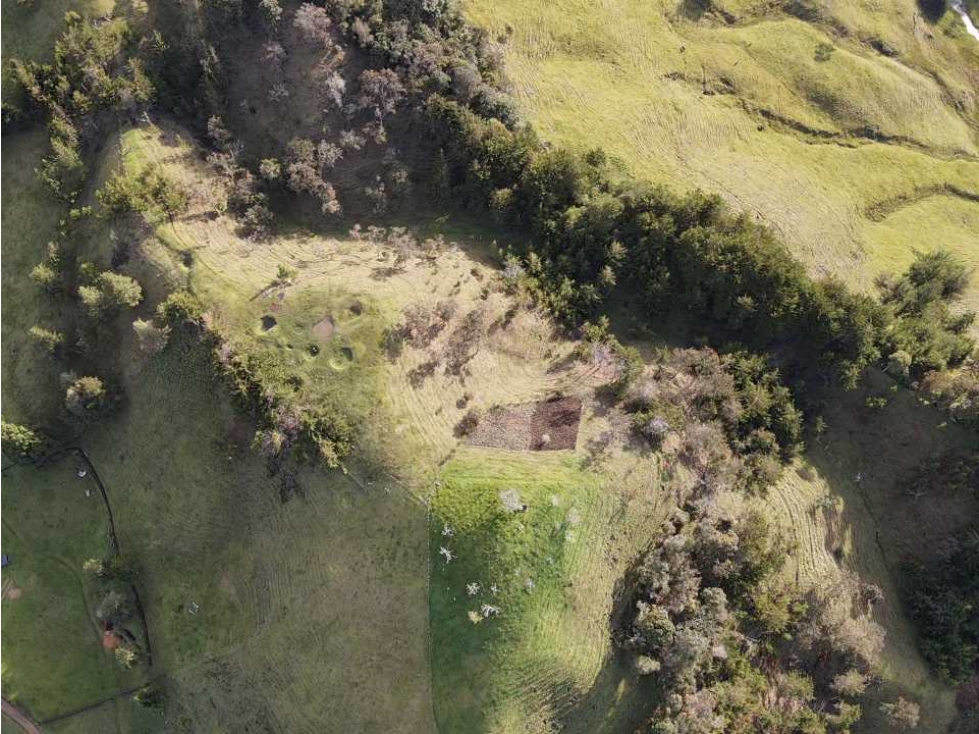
pixel 313 24
pixel 380 90
pixel 902 714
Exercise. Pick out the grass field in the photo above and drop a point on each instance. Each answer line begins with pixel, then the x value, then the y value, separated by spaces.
pixel 53 661
pixel 820 150
pixel 325 604
pixel 843 507
pixel 302 603
pixel 30 219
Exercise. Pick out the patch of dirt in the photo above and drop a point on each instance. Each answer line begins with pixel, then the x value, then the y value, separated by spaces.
pixel 12 592
pixel 268 322
pixel 554 425
pixel 549 425
pixel 110 640
pixel 325 328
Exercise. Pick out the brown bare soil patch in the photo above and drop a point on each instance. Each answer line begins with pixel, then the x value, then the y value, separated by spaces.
pixel 12 592
pixel 324 329
pixel 549 425
pixel 110 640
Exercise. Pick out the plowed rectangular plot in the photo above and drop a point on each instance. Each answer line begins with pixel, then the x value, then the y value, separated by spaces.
pixel 549 425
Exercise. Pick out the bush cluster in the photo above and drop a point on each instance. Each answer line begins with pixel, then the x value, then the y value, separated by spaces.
pixel 96 68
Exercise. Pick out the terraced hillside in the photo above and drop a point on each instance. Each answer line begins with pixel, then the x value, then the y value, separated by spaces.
pixel 835 122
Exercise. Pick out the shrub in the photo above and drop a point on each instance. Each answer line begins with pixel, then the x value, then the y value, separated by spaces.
pixel 20 442
pixel 152 695
pixel 110 293
pixel 126 656
pixel 468 423
pixel 46 277
pixel 86 397
pixel 942 596
pixel 180 307
pixel 902 714
pixel 852 683
pixel 150 338
pixel 50 342
pixel 113 609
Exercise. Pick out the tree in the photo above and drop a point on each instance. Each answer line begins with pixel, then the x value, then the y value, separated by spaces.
pixel 902 714
pixel 165 195
pixel 110 293
pixel 313 24
pixel 86 397
pixel 150 338
pixel 381 90
pixel 20 442
pixel 113 609
pixel 270 169
pixel 50 342
pixel 271 12
pixel 152 695
pixel 334 86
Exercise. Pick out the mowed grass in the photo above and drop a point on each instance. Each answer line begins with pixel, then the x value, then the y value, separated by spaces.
pixel 544 662
pixel 497 674
pixel 810 147
pixel 844 507
pixel 53 661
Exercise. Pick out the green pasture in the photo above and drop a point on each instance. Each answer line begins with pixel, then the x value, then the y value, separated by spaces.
pixel 53 661
pixel 806 126
pixel 544 658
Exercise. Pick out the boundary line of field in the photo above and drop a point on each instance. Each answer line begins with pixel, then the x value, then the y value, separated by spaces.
pixel 114 538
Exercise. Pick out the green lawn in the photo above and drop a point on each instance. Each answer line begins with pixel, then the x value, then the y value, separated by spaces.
pixel 53 661
pixel 544 657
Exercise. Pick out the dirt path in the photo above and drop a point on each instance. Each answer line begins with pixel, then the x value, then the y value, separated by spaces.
pixel 22 720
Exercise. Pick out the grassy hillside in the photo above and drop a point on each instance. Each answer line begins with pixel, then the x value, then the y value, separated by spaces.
pixel 304 600
pixel 807 126
pixel 843 506
pixel 300 601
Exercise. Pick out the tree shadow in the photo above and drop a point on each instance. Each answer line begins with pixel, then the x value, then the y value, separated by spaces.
pixel 619 700
pixel 694 9
pixel 932 10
